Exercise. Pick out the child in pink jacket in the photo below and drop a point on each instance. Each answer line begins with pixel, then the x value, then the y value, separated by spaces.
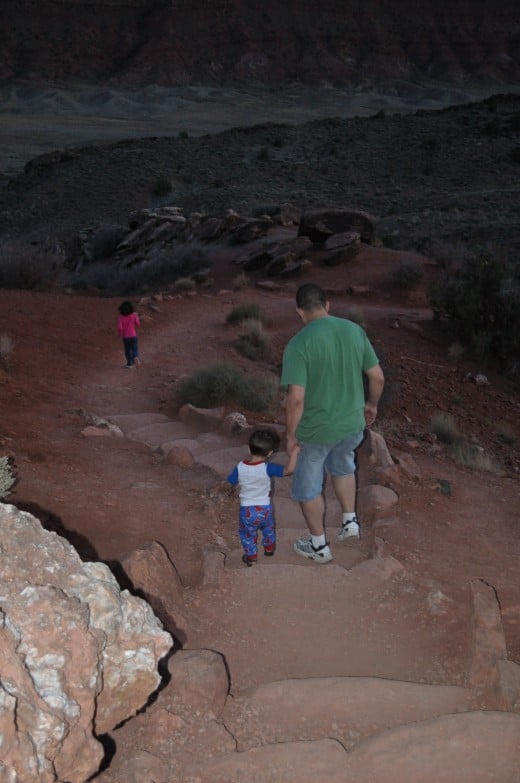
pixel 127 325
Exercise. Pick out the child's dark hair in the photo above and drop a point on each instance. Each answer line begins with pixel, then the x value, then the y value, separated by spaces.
pixel 262 442
pixel 126 308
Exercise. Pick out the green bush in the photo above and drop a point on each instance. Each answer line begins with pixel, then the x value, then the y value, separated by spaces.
pixel 185 284
pixel 7 478
pixel 479 303
pixel 223 383
pixel 407 276
pixel 28 267
pixel 514 155
pixel 254 343
pixel 162 186
pixel 162 269
pixel 443 425
pixel 6 349
pixel 244 312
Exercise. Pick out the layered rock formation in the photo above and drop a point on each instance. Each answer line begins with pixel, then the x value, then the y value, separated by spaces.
pixel 77 655
pixel 155 41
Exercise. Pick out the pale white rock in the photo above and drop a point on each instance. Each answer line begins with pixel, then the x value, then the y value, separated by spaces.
pixel 77 655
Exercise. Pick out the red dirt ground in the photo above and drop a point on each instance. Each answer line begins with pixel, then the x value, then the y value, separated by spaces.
pixel 110 495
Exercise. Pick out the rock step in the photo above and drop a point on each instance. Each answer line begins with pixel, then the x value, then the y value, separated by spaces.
pixel 367 620
pixel 348 709
pixel 346 554
pixel 472 747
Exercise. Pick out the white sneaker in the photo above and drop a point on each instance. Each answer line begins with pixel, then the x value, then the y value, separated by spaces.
pixel 321 554
pixel 349 530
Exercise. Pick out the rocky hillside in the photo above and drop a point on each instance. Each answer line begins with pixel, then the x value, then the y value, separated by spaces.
pixel 450 175
pixel 130 42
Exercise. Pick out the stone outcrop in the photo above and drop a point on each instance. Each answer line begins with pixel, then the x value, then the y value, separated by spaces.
pixel 321 224
pixel 77 655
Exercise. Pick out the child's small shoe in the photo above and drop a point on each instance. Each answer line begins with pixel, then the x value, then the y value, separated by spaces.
pixel 269 550
pixel 249 560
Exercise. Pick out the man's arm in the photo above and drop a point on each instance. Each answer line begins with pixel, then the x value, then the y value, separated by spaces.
pixel 293 414
pixel 376 381
pixel 293 458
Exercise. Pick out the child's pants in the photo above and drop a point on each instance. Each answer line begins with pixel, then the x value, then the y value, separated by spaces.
pixel 131 350
pixel 254 518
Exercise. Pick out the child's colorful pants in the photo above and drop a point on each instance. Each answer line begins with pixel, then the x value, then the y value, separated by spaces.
pixel 251 520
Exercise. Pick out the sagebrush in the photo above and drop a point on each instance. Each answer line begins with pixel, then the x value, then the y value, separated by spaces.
pixel 254 342
pixel 7 477
pixel 244 312
pixel 478 303
pixel 223 383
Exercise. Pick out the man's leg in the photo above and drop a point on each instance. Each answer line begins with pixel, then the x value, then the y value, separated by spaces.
pixel 314 513
pixel 341 465
pixel 345 489
pixel 307 490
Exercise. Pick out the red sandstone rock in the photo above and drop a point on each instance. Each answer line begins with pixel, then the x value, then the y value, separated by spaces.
pixel 153 575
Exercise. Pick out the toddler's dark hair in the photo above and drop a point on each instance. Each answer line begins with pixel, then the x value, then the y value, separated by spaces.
pixel 126 308
pixel 262 442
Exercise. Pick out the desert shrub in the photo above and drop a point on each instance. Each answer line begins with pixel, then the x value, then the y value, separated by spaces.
pixel 240 281
pixel 432 143
pixel 222 383
pixel 105 241
pixel 473 456
pixel 456 351
pixel 479 304
pixel 254 343
pixel 407 276
pixel 185 284
pixel 443 425
pixel 505 433
pixel 391 241
pixel 492 129
pixel 25 266
pixel 164 268
pixel 243 312
pixel 162 186
pixel 264 154
pixel 514 155
pixel 6 348
pixel 7 478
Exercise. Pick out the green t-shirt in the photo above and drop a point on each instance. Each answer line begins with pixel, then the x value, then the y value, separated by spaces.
pixel 328 357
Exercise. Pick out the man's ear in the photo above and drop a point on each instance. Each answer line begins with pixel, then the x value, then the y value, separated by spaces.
pixel 301 313
pixel 327 305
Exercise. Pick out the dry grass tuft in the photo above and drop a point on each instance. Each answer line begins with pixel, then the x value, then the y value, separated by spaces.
pixel 254 342
pixel 473 456
pixel 444 426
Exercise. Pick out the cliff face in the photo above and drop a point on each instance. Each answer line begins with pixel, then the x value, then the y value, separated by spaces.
pixel 344 42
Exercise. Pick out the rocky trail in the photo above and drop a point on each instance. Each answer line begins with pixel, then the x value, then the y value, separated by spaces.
pixel 396 661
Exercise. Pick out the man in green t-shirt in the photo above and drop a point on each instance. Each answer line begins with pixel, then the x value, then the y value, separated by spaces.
pixel 323 367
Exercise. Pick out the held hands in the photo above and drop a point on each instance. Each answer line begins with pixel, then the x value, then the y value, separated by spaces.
pixel 292 445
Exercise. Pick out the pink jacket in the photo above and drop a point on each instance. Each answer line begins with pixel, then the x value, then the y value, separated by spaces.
pixel 127 325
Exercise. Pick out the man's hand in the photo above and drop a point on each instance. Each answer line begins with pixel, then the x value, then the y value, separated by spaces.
pixel 370 413
pixel 292 444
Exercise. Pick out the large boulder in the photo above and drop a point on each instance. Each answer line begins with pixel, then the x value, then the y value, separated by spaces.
pixel 77 655
pixel 320 224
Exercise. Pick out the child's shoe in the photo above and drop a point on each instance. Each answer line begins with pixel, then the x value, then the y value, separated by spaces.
pixel 249 560
pixel 269 550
